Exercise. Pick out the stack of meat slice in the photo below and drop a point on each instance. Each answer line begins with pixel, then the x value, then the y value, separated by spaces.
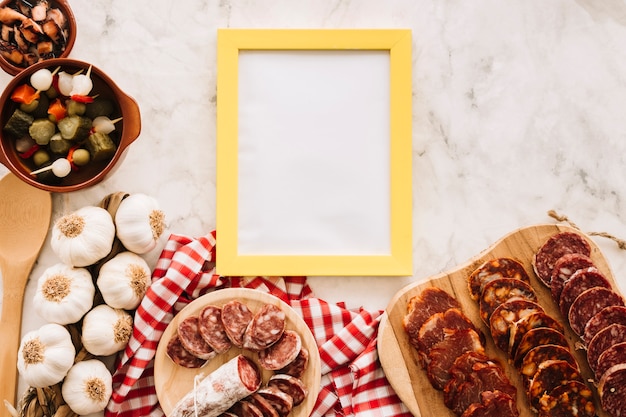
pixel 594 309
pixel 533 340
pixel 451 350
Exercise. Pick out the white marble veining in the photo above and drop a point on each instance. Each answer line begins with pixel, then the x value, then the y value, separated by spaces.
pixel 518 108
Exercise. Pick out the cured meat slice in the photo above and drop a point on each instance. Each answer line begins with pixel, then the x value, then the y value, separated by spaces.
pixel 298 366
pixel 281 353
pixel 555 247
pixel 604 318
pixel 493 404
pixel 235 317
pixel 290 385
pixel 505 315
pixel 432 331
pixel 181 356
pixel 495 269
pixel 537 337
pixel 581 281
pixel 549 375
pixel 531 321
pixel 442 356
pixel 245 408
pixel 571 399
pixel 498 291
pixel 563 270
pixel 482 377
pixel 614 355
pixel 266 327
pixel 281 401
pixel 604 339
pixel 612 390
pixel 588 304
pixel 212 329
pixel 192 341
pixel 263 405
pixel 543 353
pixel 423 305
pixel 220 390
pixel 462 368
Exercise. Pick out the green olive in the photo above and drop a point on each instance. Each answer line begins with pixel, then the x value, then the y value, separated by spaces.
pixel 81 157
pixel 41 157
pixel 52 92
pixel 29 108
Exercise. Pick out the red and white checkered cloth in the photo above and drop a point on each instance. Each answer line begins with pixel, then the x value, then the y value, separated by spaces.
pixel 353 383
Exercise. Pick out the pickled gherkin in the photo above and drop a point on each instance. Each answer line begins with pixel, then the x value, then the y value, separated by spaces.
pixel 58 145
pixel 100 146
pixel 41 131
pixel 74 128
pixel 18 123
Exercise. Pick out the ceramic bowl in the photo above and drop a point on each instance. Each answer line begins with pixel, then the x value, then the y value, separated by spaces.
pixel 61 48
pixel 126 130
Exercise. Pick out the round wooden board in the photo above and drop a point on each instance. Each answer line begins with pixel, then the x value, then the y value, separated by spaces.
pixel 399 359
pixel 172 381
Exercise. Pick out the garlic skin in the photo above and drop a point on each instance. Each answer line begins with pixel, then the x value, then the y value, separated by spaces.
pixel 45 355
pixel 64 294
pixel 123 280
pixel 83 237
pixel 106 330
pixel 87 387
pixel 139 223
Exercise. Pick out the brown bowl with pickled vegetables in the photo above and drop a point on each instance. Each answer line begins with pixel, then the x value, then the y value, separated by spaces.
pixel 64 125
pixel 34 30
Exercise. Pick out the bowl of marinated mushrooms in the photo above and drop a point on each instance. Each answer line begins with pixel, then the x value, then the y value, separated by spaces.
pixel 32 31
pixel 65 124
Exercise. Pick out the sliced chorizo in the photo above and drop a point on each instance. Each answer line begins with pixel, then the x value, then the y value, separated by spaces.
pixel 505 315
pixel 537 337
pixel 500 290
pixel 531 321
pixel 554 248
pixel 588 304
pixel 549 375
pixel 564 268
pixel 543 353
pixel 495 269
pixel 573 398
pixel 580 281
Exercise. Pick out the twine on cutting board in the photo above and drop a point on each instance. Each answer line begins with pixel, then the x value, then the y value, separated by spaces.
pixel 621 243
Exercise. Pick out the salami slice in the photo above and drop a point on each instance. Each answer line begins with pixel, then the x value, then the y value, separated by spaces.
pixel 442 356
pixel 235 317
pixel 497 291
pixel 531 321
pixel 282 402
pixel 607 337
pixel 505 315
pixel 549 375
pixel 588 304
pixel 543 353
pixel 614 355
pixel 245 408
pixel 265 329
pixel 493 404
pixel 432 331
pixel 281 353
pixel 612 390
pixel 190 338
pixel 181 356
pixel 495 269
pixel 263 405
pixel 554 248
pixel 290 385
pixel 298 366
pixel 563 270
pixel 423 305
pixel 604 318
pixel 220 390
pixel 537 337
pixel 580 281
pixel 571 399
pixel 212 329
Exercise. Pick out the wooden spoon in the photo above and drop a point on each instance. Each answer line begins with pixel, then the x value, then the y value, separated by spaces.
pixel 25 213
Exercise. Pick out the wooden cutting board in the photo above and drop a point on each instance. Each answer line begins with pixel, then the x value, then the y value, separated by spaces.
pixel 172 382
pixel 399 359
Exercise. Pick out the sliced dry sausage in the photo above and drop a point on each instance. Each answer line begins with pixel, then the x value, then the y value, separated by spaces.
pixel 281 401
pixel 289 385
pixel 235 317
pixel 537 337
pixel 543 353
pixel 614 355
pixel 580 281
pixel 493 404
pixel 607 337
pixel 531 321
pixel 298 366
pixel 495 269
pixel 571 399
pixel 563 270
pixel 181 356
pixel 549 375
pixel 498 291
pixel 212 329
pixel 505 315
pixel 265 329
pixel 554 248
pixel 604 318
pixel 423 305
pixel 263 405
pixel 612 390
pixel 281 353
pixel 588 304
pixel 191 339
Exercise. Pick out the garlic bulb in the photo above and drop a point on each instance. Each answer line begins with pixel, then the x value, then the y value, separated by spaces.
pixel 87 387
pixel 64 294
pixel 106 330
pixel 83 237
pixel 45 355
pixel 139 223
pixel 123 280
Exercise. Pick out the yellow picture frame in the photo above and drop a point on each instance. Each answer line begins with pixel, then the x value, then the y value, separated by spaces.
pixel 398 261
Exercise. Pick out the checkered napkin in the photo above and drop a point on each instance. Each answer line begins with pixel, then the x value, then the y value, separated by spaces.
pixel 352 383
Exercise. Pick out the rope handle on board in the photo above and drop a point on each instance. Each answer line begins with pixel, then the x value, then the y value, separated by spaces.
pixel 562 218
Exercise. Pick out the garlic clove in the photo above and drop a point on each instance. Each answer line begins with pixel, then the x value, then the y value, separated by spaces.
pixel 87 387
pixel 139 223
pixel 106 330
pixel 123 280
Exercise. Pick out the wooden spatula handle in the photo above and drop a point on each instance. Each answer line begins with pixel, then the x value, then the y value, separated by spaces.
pixel 10 327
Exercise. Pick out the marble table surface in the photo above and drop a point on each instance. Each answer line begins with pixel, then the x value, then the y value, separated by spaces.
pixel 518 108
